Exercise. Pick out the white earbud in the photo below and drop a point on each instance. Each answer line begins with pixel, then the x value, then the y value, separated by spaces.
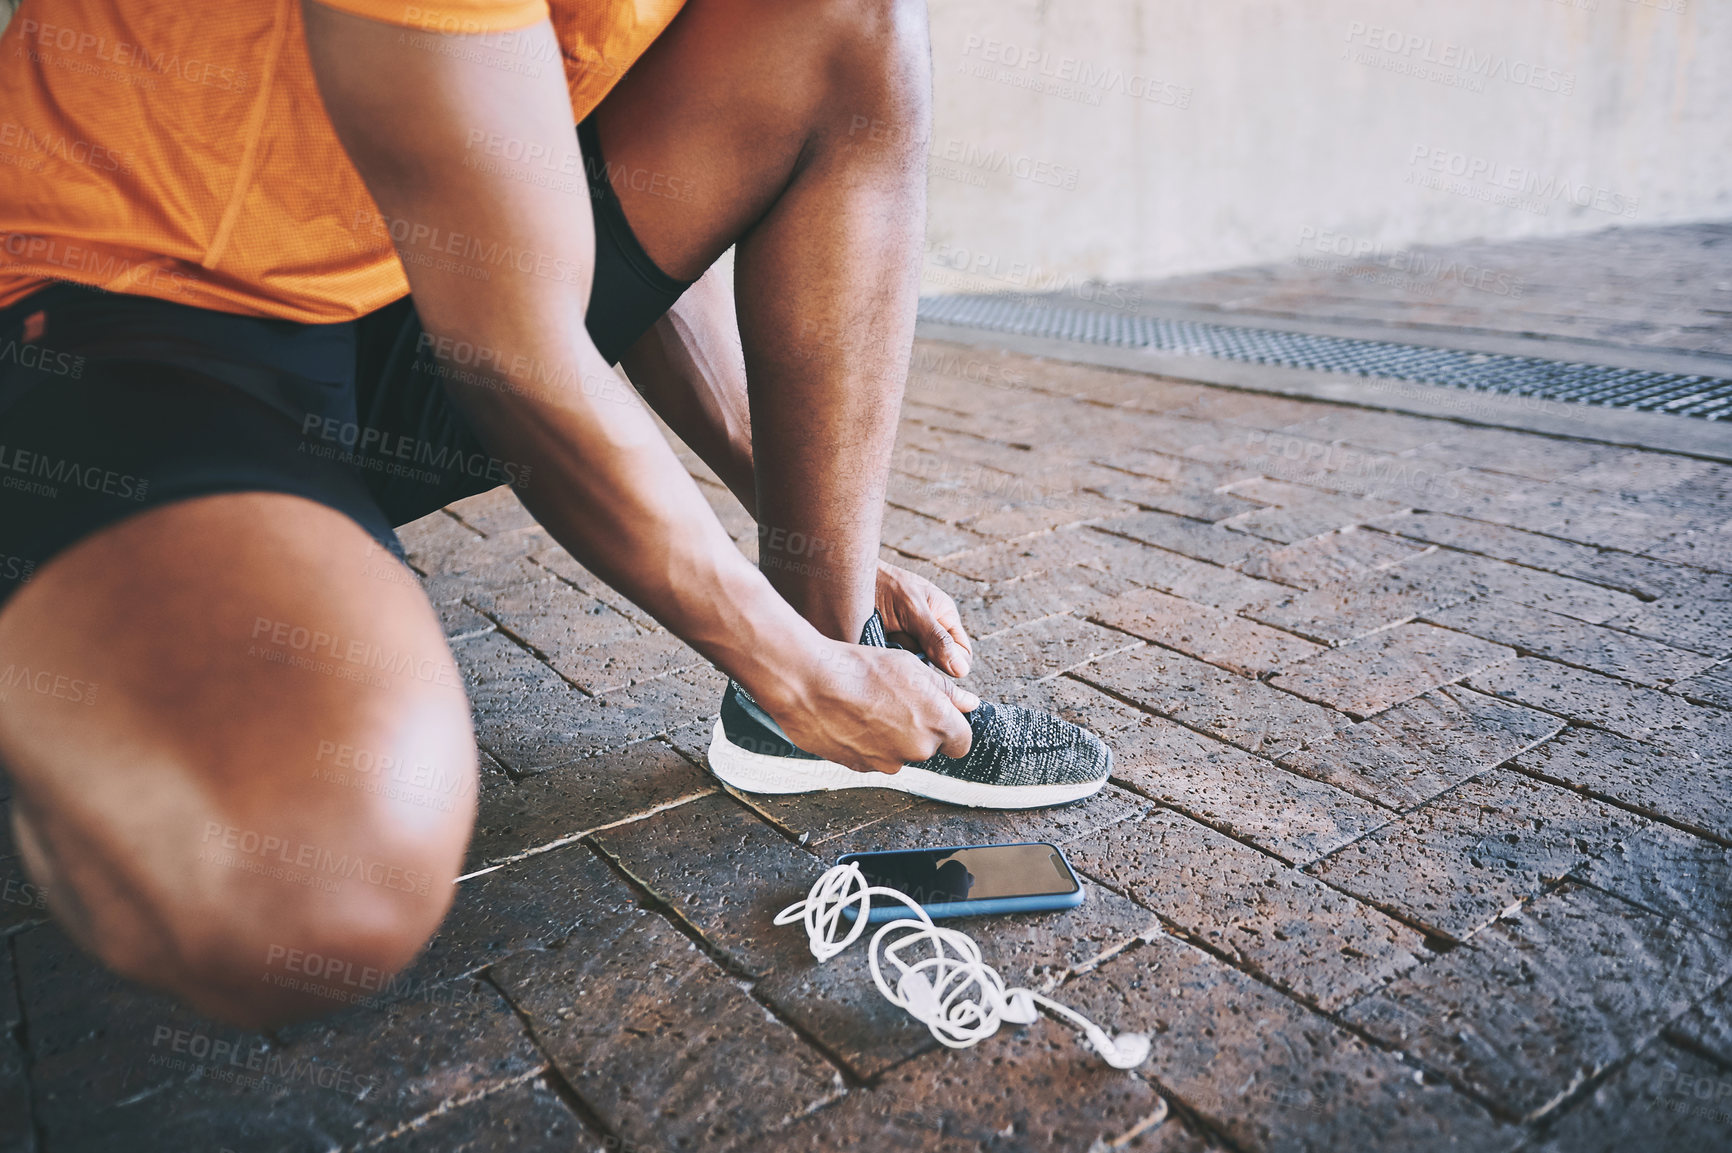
pixel 952 992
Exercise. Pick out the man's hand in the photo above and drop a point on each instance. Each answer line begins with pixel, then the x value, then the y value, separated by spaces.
pixel 912 605
pixel 874 709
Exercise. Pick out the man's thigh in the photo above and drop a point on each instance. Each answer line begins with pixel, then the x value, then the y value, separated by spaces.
pixel 236 737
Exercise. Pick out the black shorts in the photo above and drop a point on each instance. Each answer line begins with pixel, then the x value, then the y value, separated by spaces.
pixel 112 404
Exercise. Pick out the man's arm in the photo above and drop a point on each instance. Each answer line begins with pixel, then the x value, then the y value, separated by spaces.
pixel 605 484
pixel 691 369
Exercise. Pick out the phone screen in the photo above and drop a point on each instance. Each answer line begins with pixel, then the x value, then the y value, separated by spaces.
pixel 937 876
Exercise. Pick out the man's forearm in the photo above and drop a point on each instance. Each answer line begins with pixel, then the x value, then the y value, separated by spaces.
pixel 603 480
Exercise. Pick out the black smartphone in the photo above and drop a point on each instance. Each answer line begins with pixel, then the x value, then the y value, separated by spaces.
pixel 969 880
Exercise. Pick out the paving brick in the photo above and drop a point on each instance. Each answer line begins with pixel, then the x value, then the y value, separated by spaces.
pixel 1172 496
pixel 1484 578
pixel 1651 1103
pixel 1043 1093
pixel 1541 1000
pixel 524 1118
pixel 525 714
pixel 1322 945
pixel 1038 650
pixel 111 1061
pixel 1188 537
pixel 553 559
pixel 1709 548
pixel 812 819
pixel 1576 514
pixel 1369 675
pixel 1409 754
pixel 1298 511
pixel 575 797
pixel 584 639
pixel 462 623
pixel 1184 577
pixel 1074 589
pixel 1245 712
pixel 1570 641
pixel 1345 610
pixel 921 536
pixel 666 1050
pixel 1590 698
pixel 533 904
pixel 1676 785
pixel 720 868
pixel 1708 1027
pixel 1350 554
pixel 1632 574
pixel 1291 817
pixel 1235 644
pixel 493 513
pixel 1713 686
pixel 932 823
pixel 1267 1072
pixel 1674 873
pixel 1025 557
pixel 1455 863
pixel 1703 625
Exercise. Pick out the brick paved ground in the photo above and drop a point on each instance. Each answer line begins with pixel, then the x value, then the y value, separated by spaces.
pixel 1418 836
pixel 1665 288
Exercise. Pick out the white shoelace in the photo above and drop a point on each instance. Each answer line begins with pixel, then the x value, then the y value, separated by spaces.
pixel 959 997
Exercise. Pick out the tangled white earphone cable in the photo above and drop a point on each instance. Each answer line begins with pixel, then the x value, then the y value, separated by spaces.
pixel 959 997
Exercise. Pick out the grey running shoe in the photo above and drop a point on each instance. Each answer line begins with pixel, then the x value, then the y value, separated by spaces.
pixel 1020 758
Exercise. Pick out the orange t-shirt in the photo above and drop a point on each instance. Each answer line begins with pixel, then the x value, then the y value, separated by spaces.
pixel 180 150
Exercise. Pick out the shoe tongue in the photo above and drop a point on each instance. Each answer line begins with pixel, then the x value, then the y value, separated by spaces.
pixel 873 633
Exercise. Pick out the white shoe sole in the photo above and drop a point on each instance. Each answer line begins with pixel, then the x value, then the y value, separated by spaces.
pixel 762 773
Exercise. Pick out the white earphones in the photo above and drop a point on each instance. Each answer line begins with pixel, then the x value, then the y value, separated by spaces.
pixel 952 992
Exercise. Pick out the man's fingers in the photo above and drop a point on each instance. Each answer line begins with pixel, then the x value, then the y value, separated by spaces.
pixel 938 644
pixel 957 736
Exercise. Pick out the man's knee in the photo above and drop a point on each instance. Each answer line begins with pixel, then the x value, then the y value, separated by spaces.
pixel 281 919
pixel 879 56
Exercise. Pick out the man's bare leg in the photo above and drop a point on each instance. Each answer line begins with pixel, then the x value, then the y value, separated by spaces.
pixel 221 800
pixel 801 129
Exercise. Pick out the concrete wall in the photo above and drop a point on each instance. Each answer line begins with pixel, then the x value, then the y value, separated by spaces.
pixel 1125 139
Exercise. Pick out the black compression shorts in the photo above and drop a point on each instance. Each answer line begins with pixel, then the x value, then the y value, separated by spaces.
pixel 112 404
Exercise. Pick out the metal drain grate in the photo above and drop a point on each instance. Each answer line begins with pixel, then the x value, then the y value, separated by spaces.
pixel 1701 396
